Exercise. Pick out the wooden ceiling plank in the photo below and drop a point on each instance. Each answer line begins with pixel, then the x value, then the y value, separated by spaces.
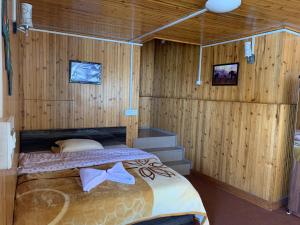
pixel 127 19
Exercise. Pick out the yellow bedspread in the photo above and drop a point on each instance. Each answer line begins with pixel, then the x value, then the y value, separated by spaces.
pixel 57 197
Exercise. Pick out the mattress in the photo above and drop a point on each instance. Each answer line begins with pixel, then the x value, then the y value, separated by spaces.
pixel 49 191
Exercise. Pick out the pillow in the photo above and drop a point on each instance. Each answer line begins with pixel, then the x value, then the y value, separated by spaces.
pixel 297 137
pixel 76 145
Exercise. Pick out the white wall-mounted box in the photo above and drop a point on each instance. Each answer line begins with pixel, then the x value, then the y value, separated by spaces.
pixel 7 142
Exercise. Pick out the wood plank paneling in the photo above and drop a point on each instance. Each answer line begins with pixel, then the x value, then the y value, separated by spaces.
pixel 145 112
pixel 176 67
pixel 233 142
pixel 298 116
pixel 8 178
pixel 116 19
pixel 50 101
pixel 147 67
pixel 239 135
pixel 8 182
pixel 285 141
pixel 125 19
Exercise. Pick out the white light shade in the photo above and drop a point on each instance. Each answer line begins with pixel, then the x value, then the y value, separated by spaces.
pixel 26 15
pixel 222 6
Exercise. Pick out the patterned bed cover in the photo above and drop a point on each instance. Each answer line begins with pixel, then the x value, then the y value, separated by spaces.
pixel 46 195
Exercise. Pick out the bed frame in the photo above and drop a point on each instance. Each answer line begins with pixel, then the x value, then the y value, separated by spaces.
pixel 175 220
pixel 41 140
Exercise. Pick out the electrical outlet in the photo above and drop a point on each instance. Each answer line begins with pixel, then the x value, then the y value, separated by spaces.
pixel 198 82
pixel 131 112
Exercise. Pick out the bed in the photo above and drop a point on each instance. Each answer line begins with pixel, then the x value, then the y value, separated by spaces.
pixel 49 190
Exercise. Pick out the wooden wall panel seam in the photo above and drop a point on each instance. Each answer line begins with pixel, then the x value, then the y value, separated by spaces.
pixel 212 100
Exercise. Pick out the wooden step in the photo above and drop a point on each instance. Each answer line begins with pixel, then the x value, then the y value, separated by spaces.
pixel 167 154
pixel 154 138
pixel 155 142
pixel 183 166
pixel 153 132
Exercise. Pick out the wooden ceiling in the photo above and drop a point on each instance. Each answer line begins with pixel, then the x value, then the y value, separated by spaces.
pixel 128 19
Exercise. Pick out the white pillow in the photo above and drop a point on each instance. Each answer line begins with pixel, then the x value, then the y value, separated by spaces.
pixel 76 145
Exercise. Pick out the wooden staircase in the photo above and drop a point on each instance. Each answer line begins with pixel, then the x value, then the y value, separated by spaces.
pixel 163 144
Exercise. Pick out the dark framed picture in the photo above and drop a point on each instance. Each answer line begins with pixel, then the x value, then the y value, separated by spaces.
pixel 85 72
pixel 225 74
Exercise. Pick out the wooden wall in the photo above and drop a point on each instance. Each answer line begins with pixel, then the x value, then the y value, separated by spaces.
pixel 50 101
pixel 240 135
pixel 11 108
pixel 298 119
pixel 267 81
pixel 44 99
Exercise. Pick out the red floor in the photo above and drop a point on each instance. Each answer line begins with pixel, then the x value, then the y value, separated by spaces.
pixel 226 209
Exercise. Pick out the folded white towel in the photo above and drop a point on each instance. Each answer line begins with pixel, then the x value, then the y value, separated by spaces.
pixel 90 178
pixel 119 174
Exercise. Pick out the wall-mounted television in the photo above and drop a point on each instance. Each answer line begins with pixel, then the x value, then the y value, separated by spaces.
pixel 225 74
pixel 85 72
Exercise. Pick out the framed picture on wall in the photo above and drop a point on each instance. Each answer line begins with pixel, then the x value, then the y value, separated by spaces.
pixel 85 72
pixel 225 74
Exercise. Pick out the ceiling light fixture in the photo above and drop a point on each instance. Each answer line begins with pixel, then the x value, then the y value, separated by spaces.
pixel 222 6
